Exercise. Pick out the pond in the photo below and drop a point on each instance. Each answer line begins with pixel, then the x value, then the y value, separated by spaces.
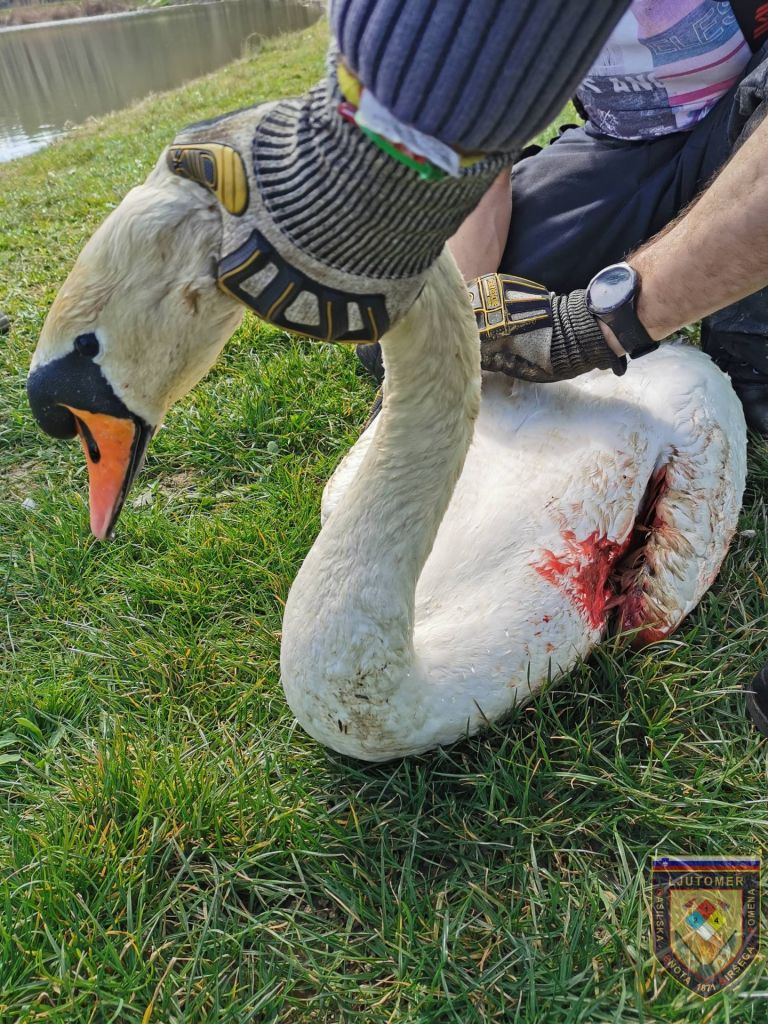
pixel 56 75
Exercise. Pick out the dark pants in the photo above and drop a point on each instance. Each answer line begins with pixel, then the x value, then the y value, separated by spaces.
pixel 588 200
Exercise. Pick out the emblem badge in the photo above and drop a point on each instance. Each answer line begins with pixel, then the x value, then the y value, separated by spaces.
pixel 706 919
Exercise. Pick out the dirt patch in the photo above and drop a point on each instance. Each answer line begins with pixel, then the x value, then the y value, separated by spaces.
pixel 179 483
pixel 183 484
pixel 18 482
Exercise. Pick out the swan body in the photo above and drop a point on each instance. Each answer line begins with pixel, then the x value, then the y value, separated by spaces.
pixel 472 548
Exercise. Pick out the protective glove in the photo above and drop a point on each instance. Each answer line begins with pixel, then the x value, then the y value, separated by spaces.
pixel 530 333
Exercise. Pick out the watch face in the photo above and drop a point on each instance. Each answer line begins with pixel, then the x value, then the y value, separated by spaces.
pixel 612 288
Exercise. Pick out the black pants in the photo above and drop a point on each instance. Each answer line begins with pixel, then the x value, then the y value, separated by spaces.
pixel 588 200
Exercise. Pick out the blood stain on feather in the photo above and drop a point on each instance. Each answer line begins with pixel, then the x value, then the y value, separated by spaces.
pixel 600 575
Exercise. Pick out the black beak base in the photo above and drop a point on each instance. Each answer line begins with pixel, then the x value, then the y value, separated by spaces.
pixel 74 380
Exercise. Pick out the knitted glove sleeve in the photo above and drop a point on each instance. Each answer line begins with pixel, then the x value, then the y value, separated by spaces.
pixel 348 204
pixel 483 75
pixel 578 344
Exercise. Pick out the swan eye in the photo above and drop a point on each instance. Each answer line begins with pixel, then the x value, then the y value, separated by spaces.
pixel 87 345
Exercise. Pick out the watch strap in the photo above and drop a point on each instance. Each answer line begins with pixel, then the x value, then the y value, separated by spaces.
pixel 632 336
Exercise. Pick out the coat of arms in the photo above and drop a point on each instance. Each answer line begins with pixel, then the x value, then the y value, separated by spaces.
pixel 706 919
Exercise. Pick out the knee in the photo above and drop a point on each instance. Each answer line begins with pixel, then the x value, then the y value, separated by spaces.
pixel 750 103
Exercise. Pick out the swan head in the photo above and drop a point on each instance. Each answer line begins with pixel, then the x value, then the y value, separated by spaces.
pixel 138 322
pixel 143 316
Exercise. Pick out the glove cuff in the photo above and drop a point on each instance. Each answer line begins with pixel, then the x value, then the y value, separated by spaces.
pixel 578 344
pixel 346 202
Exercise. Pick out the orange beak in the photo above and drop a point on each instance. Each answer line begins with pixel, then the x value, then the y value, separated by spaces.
pixel 114 451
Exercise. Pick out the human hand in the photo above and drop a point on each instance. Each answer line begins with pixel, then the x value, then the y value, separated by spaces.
pixel 530 333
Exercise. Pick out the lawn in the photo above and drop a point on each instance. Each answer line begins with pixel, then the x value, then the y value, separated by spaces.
pixel 174 849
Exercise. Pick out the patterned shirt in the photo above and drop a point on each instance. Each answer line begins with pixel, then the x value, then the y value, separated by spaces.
pixel 664 68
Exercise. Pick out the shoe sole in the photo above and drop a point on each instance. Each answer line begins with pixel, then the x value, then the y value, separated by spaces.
pixel 757 708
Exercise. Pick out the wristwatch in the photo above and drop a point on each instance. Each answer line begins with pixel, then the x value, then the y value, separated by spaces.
pixel 611 296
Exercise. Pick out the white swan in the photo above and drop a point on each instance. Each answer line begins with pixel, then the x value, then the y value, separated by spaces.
pixel 465 558
pixel 426 607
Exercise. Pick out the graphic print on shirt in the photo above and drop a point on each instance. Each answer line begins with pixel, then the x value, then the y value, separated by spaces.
pixel 664 68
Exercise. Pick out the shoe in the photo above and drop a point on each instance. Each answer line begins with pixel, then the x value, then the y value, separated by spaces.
pixel 744 357
pixel 752 388
pixel 5 324
pixel 370 357
pixel 757 700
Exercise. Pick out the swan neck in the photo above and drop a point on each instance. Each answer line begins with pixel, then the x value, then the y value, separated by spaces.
pixel 363 569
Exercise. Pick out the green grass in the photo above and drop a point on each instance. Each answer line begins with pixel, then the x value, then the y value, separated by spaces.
pixel 173 848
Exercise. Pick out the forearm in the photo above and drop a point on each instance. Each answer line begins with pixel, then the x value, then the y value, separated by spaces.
pixel 716 253
pixel 479 243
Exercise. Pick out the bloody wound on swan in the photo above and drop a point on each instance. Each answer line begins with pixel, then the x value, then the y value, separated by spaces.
pixel 599 575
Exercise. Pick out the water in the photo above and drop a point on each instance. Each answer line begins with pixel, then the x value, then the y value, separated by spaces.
pixel 56 75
